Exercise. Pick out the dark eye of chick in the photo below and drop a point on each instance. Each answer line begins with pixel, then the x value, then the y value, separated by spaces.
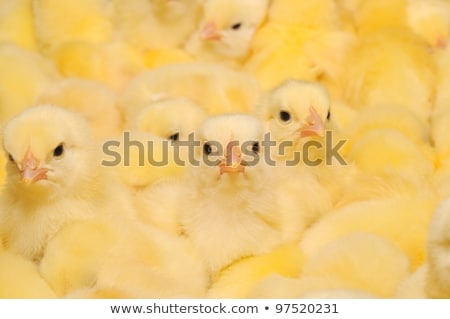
pixel 285 116
pixel 58 151
pixel 236 26
pixel 207 148
pixel 174 137
pixel 328 115
pixel 11 158
pixel 255 147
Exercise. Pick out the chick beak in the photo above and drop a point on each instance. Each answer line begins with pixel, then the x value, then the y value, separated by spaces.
pixel 314 125
pixel 30 171
pixel 441 43
pixel 232 161
pixel 210 32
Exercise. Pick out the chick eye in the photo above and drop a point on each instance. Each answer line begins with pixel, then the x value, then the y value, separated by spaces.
pixel 207 148
pixel 11 158
pixel 58 151
pixel 285 116
pixel 328 115
pixel 255 147
pixel 236 26
pixel 174 137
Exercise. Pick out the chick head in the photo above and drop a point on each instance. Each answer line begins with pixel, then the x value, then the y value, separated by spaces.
pixel 295 110
pixel 172 119
pixel 229 26
pixel 49 150
pixel 230 153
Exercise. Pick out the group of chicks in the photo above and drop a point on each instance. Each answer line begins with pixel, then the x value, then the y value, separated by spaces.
pixel 225 149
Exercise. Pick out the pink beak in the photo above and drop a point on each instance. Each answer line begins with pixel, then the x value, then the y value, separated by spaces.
pixel 29 169
pixel 210 32
pixel 232 161
pixel 314 125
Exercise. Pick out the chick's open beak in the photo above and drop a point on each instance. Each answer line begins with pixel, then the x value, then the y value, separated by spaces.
pixel 210 31
pixel 232 161
pixel 314 125
pixel 30 170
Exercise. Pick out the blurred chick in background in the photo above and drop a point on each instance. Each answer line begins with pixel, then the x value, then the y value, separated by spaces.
pixel 311 47
pixel 390 67
pixel 226 30
pixel 57 22
pixel 156 24
pixel 95 101
pixel 53 179
pixel 20 278
pixel 216 88
pixel 365 264
pixel 25 74
pixel 16 24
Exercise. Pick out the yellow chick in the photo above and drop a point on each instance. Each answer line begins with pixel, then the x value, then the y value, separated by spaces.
pixel 404 75
pixel 382 217
pixel 54 177
pixel 430 20
pixel 24 76
pixel 226 30
pixel 309 48
pixel 97 102
pixel 216 88
pixel 237 198
pixel 230 210
pixel 156 24
pixel 359 262
pixel 299 116
pixel 20 278
pixel 57 23
pixel 16 24
pixel 438 275
pixel 294 112
pixel 113 63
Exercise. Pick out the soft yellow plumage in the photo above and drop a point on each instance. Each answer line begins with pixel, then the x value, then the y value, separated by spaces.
pixel 20 278
pixel 25 74
pixel 404 221
pixel 54 178
pixel 157 24
pixel 97 102
pixel 238 279
pixel 16 24
pixel 358 262
pixel 113 63
pixel 310 48
pixel 57 23
pixel 216 88
pixel 391 66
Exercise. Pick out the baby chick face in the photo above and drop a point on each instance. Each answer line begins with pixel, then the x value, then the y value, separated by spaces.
pixel 296 110
pixel 48 149
pixel 230 152
pixel 172 119
pixel 229 26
